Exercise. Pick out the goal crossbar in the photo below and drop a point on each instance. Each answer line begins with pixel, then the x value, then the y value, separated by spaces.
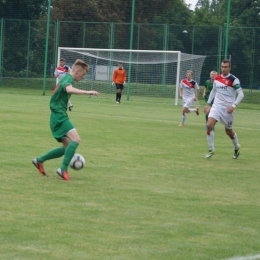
pixel 146 69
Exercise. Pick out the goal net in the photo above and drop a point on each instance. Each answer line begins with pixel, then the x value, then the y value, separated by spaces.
pixel 149 73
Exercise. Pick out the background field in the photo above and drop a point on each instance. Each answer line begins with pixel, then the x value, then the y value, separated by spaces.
pixel 147 192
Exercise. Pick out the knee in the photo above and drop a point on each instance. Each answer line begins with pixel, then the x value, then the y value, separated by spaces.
pixel 76 139
pixel 229 133
pixel 209 128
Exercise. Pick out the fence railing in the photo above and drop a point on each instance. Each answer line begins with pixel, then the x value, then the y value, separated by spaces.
pixel 22 47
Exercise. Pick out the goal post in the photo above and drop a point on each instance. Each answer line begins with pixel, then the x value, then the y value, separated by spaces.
pixel 150 73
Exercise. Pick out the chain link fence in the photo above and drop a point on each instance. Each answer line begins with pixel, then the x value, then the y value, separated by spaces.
pixel 22 48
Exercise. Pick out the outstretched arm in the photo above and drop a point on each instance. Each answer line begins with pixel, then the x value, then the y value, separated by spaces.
pixel 71 90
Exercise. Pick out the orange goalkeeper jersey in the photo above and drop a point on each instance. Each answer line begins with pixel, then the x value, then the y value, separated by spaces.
pixel 119 76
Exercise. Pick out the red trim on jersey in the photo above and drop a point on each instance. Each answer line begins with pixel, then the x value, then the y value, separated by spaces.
pixel 190 84
pixel 63 69
pixel 225 81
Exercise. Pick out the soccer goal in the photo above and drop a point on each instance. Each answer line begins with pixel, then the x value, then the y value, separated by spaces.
pixel 150 73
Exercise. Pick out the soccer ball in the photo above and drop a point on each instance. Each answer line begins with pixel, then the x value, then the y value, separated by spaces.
pixel 77 162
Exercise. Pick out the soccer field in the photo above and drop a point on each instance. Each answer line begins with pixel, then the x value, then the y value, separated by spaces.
pixel 146 191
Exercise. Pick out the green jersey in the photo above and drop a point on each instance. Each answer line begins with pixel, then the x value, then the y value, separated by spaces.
pixel 59 120
pixel 209 87
pixel 60 96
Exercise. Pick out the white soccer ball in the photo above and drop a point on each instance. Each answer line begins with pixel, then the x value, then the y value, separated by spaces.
pixel 77 162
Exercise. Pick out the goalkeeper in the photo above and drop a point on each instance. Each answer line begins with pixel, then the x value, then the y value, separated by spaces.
pixel 119 78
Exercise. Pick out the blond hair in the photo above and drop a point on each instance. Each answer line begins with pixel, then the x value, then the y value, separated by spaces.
pixel 189 71
pixel 80 63
pixel 213 72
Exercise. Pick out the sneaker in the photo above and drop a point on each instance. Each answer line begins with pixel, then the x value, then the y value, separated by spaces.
pixel 209 155
pixel 181 124
pixel 236 152
pixel 117 102
pixel 39 166
pixel 197 111
pixel 70 108
pixel 63 174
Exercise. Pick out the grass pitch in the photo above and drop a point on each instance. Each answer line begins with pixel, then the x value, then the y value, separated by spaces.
pixel 146 192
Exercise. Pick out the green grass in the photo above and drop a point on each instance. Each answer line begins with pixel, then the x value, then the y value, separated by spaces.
pixel 146 192
pixel 138 91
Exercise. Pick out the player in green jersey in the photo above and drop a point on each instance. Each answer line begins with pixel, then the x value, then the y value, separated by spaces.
pixel 207 89
pixel 61 127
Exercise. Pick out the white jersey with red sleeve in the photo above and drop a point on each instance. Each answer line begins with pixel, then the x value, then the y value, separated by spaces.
pixel 188 88
pixel 61 71
pixel 226 89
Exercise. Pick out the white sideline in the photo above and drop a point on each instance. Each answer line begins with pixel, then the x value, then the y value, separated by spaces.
pixel 254 257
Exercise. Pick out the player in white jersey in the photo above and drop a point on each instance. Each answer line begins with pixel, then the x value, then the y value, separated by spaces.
pixel 187 93
pixel 61 71
pixel 227 94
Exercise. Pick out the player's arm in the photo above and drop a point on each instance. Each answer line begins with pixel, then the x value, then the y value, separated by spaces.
pixel 197 94
pixel 205 90
pixel 114 77
pixel 240 96
pixel 180 92
pixel 124 76
pixel 71 90
pixel 56 75
pixel 197 91
pixel 211 97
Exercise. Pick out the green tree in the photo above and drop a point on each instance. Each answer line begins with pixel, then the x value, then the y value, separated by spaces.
pixel 17 32
pixel 26 9
pixel 177 13
pixel 108 11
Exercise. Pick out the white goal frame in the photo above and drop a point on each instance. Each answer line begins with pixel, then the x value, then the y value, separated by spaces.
pixel 132 51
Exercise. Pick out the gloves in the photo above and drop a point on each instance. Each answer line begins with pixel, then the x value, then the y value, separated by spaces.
pixel 113 83
pixel 124 83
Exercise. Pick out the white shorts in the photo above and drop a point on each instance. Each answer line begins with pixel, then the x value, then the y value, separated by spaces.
pixel 221 115
pixel 187 102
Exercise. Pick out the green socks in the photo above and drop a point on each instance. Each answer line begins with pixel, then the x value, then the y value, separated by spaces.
pixel 58 152
pixel 52 154
pixel 69 152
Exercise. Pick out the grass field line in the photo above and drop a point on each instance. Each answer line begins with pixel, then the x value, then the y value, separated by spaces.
pixel 245 258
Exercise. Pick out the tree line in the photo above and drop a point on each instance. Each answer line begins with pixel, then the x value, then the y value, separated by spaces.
pixel 209 14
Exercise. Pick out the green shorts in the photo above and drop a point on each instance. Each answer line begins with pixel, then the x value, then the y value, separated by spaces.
pixel 60 125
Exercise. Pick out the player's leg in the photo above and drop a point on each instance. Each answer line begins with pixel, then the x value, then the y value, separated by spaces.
pixel 210 136
pixel 196 110
pixel 184 115
pixel 120 92
pixel 212 119
pixel 70 143
pixel 117 93
pixel 52 154
pixel 206 115
pixel 234 139
pixel 185 110
pixel 119 88
pixel 228 121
